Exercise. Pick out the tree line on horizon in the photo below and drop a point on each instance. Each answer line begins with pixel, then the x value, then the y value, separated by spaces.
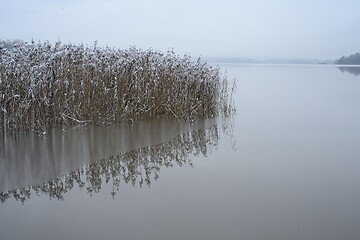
pixel 352 59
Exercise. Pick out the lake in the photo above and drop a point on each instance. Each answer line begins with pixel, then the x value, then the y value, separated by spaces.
pixel 286 166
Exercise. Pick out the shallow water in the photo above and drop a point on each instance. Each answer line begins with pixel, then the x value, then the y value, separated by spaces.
pixel 286 167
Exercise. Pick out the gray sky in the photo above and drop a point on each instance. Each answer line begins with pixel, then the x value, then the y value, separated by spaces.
pixel 311 29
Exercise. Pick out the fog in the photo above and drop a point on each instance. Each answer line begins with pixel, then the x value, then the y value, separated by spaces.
pixel 258 29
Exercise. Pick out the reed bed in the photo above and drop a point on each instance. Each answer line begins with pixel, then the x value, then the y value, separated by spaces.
pixel 136 167
pixel 44 85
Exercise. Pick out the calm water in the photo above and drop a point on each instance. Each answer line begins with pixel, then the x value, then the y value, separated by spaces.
pixel 286 167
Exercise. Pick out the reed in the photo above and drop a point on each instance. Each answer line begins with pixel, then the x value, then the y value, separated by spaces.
pixel 44 85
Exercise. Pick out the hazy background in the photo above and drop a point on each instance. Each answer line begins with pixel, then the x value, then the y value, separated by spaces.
pixel 260 29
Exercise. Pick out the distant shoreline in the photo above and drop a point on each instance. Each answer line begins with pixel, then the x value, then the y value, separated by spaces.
pixel 268 61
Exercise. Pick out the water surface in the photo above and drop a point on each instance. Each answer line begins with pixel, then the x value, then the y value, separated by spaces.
pixel 286 167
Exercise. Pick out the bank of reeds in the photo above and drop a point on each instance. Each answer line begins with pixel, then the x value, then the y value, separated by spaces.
pixel 44 85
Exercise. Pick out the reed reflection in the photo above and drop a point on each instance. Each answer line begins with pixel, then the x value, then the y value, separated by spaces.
pixel 88 157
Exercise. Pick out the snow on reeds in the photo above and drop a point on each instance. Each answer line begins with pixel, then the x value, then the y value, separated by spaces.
pixel 44 85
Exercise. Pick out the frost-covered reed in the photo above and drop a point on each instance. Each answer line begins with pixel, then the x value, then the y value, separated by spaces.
pixel 44 85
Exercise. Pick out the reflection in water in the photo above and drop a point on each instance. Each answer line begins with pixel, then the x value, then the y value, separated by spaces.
pixel 353 70
pixel 88 156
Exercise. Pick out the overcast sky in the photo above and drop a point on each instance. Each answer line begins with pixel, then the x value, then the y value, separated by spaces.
pixel 260 29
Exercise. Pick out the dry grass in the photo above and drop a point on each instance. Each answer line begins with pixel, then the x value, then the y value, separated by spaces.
pixel 44 85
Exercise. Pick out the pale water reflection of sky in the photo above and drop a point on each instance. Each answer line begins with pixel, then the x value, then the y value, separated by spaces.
pixel 259 29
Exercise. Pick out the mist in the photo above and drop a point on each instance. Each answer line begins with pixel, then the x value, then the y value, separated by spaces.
pixel 246 29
